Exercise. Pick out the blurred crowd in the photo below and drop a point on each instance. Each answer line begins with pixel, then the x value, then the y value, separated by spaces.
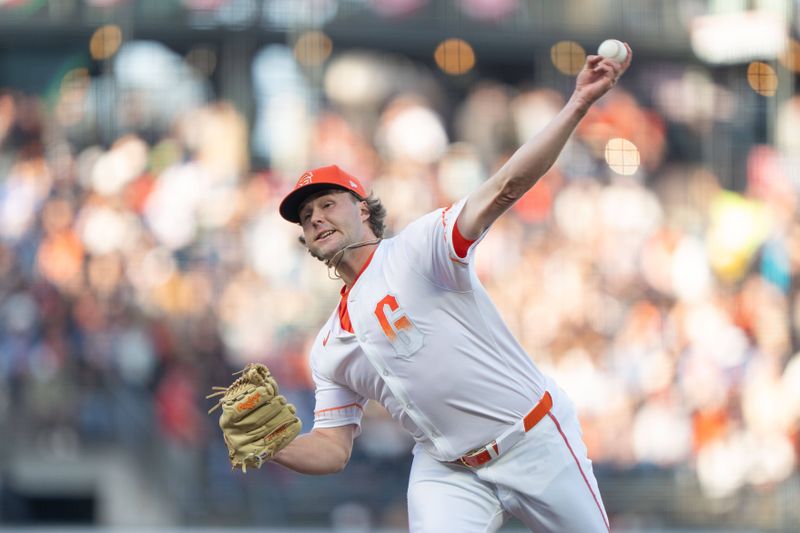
pixel 142 259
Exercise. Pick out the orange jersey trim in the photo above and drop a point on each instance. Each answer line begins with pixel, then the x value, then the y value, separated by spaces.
pixel 460 244
pixel 344 316
pixel 337 408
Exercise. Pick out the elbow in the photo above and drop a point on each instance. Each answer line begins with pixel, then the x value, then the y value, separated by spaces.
pixel 341 461
pixel 512 190
pixel 330 451
pixel 336 459
pixel 333 463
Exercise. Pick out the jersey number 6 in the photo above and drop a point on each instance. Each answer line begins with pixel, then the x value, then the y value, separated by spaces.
pixel 403 335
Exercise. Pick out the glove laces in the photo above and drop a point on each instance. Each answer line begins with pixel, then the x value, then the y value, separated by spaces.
pixel 250 373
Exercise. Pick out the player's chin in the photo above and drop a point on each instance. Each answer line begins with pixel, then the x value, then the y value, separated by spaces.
pixel 330 245
pixel 315 255
pixel 325 251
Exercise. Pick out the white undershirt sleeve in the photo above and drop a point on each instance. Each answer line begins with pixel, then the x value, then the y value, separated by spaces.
pixel 336 405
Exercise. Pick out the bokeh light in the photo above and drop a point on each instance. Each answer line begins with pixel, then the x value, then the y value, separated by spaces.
pixel 622 156
pixel 105 42
pixel 762 78
pixel 454 56
pixel 313 48
pixel 568 57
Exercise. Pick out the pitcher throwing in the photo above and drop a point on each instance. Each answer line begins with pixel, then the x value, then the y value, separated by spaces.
pixel 417 332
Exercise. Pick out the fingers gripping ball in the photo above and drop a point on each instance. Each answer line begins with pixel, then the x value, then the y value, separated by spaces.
pixel 256 421
pixel 613 49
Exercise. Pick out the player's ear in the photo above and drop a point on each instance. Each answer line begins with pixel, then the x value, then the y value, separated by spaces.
pixel 365 214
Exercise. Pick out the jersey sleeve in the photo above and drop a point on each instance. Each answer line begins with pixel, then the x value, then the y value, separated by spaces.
pixel 437 250
pixel 336 405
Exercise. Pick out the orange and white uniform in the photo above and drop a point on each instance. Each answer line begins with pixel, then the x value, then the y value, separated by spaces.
pixel 418 333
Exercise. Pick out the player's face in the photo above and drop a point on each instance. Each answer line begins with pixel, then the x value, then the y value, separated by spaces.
pixel 330 221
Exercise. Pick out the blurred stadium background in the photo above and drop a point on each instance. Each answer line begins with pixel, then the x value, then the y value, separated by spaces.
pixel 654 270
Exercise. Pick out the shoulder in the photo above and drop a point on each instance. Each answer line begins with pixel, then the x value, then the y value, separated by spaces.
pixel 425 224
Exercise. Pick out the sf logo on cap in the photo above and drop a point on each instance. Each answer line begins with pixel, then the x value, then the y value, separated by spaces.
pixel 305 179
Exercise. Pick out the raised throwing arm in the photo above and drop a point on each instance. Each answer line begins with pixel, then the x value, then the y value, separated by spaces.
pixel 531 160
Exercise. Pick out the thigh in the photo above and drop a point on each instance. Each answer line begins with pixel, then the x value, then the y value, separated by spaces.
pixel 450 498
pixel 550 485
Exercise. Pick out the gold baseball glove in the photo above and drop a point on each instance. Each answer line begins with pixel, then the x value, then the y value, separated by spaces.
pixel 256 421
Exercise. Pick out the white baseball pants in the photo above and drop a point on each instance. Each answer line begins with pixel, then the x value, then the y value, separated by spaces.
pixel 545 480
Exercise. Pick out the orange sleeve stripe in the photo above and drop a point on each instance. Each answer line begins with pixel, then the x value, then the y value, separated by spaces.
pixel 340 407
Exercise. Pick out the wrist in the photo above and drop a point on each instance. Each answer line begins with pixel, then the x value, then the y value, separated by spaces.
pixel 579 104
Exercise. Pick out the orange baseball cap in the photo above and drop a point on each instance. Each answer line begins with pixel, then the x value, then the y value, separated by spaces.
pixel 319 179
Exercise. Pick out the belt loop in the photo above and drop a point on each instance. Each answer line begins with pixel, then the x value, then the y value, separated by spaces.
pixel 511 436
pixel 494 450
pixel 537 413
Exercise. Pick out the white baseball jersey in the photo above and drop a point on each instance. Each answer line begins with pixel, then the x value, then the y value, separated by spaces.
pixel 428 344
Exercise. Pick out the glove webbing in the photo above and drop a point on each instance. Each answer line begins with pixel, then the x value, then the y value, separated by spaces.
pixel 237 389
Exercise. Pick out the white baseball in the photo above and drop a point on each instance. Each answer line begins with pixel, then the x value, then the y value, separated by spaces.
pixel 613 49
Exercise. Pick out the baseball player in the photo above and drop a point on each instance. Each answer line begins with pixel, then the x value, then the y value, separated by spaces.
pixel 417 332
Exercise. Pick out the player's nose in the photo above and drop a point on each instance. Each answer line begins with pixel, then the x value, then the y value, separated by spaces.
pixel 316 216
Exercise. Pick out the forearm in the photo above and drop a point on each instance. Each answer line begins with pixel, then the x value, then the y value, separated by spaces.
pixel 521 172
pixel 535 157
pixel 315 453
